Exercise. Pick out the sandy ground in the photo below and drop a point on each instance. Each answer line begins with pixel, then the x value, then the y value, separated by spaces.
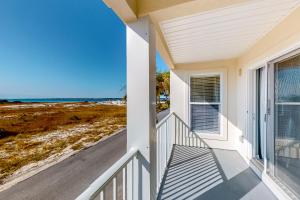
pixel 34 168
pixel 35 135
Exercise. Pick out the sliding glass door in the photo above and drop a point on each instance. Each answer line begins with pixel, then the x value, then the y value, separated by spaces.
pixel 284 121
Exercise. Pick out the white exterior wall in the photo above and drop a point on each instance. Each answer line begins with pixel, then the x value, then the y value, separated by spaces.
pixel 180 97
pixel 283 39
pixel 243 140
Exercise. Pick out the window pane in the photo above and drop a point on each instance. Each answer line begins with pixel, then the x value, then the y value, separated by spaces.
pixel 287 122
pixel 205 89
pixel 205 118
pixel 287 82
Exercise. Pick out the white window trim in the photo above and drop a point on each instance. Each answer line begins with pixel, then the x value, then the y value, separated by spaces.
pixel 223 102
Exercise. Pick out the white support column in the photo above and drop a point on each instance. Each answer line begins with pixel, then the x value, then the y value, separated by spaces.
pixel 141 113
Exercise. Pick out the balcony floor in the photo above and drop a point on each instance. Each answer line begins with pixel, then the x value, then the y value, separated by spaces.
pixel 201 173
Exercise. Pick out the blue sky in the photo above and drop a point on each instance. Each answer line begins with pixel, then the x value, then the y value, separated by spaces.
pixel 61 48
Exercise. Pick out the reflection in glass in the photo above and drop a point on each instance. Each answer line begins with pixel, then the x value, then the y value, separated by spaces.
pixel 287 122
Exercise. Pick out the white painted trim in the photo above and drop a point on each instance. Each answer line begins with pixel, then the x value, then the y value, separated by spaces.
pixel 256 170
pixel 265 61
pixel 252 115
pixel 274 187
pixel 285 56
pixel 268 181
pixel 223 135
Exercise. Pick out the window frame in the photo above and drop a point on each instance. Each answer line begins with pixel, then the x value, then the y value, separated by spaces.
pixel 222 134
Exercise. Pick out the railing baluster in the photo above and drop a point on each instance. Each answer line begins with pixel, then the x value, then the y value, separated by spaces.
pixel 160 152
pixel 157 158
pixel 124 183
pixel 186 138
pixel 195 140
pixel 175 122
pixel 132 179
pixel 166 143
pixel 179 136
pixel 114 189
pixel 181 133
pixel 189 133
pixel 178 131
pixel 102 195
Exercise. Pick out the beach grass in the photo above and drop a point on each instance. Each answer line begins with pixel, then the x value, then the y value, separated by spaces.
pixel 33 132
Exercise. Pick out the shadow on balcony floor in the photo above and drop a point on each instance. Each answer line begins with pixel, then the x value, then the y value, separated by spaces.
pixel 206 174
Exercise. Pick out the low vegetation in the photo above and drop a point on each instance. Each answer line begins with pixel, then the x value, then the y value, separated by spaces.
pixel 162 90
pixel 34 132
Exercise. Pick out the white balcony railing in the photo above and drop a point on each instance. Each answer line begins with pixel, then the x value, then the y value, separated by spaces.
pixel 164 140
pixel 172 130
pixel 120 181
pixel 116 181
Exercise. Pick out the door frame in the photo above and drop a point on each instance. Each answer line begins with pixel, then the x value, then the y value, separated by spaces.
pixel 252 112
pixel 271 109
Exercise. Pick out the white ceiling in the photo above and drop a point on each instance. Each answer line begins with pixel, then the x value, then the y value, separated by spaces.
pixel 224 33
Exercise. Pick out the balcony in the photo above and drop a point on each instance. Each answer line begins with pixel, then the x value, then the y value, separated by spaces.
pixel 186 168
pixel 203 173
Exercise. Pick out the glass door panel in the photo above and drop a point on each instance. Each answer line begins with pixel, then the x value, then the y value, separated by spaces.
pixel 286 124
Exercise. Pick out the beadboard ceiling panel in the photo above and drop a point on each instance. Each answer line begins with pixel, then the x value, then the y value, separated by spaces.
pixel 223 33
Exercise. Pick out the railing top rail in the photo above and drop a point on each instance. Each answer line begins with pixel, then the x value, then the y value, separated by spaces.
pixel 164 120
pixel 181 120
pixel 95 187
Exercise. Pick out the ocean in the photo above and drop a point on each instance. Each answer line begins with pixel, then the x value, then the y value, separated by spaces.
pixel 63 100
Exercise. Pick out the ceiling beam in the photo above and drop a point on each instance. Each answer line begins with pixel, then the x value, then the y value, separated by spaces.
pixel 125 9
pixel 146 6
pixel 168 9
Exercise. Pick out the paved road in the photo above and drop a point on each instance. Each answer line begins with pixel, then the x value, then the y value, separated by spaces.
pixel 67 179
pixel 162 114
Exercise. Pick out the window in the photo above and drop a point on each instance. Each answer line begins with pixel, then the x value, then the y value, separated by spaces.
pixel 205 104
